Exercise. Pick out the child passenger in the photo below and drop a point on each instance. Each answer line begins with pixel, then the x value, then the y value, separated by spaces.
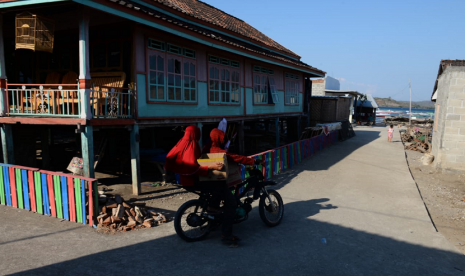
pixel 390 133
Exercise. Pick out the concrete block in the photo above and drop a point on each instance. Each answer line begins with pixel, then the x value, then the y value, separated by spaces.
pixel 449 123
pixel 453 117
pixel 449 144
pixel 459 124
pixel 461 160
pixel 450 110
pixel 455 151
pixel 459 95
pixel 461 145
pixel 451 130
pixel 453 137
pixel 462 132
pixel 460 82
pixel 456 103
pixel 456 89
pixel 449 158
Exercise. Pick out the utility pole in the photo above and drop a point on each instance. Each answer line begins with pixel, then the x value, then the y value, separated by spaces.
pixel 410 111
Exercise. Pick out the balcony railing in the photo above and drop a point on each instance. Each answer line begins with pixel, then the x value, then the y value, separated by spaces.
pixel 111 102
pixel 63 100
pixel 43 100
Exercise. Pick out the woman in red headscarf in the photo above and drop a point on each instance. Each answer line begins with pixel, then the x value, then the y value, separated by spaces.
pixel 217 139
pixel 182 159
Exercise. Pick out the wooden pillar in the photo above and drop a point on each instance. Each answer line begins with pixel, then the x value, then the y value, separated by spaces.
pixel 240 137
pixel 200 125
pixel 87 145
pixel 84 64
pixel 3 106
pixel 276 124
pixel 45 144
pixel 135 160
pixel 7 144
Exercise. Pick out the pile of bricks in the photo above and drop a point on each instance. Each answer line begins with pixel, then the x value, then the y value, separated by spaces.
pixel 119 215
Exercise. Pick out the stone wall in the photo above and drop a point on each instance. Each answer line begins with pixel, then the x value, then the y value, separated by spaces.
pixel 448 145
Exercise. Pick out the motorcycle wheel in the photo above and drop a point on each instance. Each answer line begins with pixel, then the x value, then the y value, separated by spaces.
pixel 189 223
pixel 271 216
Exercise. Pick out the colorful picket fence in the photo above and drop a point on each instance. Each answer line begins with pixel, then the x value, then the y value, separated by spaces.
pixel 60 195
pixel 279 159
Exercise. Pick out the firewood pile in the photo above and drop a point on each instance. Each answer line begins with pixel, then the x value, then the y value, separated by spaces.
pixel 116 214
pixel 417 139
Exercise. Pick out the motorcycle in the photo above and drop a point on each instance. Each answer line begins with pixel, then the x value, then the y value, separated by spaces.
pixel 193 221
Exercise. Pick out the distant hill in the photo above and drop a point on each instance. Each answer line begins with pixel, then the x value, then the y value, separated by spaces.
pixel 388 102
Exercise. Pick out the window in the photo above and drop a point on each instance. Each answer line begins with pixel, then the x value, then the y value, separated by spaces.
pixel 224 81
pixel 264 86
pixel 292 89
pixel 171 77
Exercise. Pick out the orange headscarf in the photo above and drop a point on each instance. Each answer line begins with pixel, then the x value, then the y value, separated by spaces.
pixel 182 158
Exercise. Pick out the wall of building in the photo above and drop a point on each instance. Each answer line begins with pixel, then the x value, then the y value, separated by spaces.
pixel 203 108
pixel 448 145
pixel 318 87
pixel 332 83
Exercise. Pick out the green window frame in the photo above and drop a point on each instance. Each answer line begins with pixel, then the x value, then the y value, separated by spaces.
pixel 292 92
pixel 264 89
pixel 224 81
pixel 171 78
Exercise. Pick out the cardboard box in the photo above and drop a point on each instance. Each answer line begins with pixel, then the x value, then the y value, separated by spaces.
pixel 211 159
pixel 234 174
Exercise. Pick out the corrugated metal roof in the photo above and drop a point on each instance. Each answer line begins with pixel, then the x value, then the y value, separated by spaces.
pixel 370 102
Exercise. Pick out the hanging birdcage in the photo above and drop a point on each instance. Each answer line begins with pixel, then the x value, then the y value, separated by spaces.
pixel 34 32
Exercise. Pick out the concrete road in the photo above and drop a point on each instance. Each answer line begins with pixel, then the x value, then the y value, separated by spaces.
pixel 358 195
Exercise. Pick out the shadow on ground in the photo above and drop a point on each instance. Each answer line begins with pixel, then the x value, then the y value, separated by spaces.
pixel 292 248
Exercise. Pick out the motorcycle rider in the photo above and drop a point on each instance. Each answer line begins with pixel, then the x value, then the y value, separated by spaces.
pixel 182 159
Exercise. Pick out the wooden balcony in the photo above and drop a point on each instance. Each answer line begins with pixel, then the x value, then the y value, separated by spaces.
pixel 64 101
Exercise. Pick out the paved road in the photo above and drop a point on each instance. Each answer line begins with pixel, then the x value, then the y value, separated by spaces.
pixel 358 195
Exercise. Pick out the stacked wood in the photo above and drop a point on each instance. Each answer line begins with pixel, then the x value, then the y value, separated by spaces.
pixel 120 215
pixel 417 139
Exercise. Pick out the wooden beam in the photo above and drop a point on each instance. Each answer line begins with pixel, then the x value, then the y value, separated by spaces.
pixel 240 137
pixel 135 160
pixel 7 144
pixel 84 63
pixel 276 124
pixel 3 107
pixel 87 144
pixel 41 121
pixel 200 125
pixel 45 139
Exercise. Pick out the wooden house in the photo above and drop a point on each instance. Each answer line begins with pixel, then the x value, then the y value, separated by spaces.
pixel 94 66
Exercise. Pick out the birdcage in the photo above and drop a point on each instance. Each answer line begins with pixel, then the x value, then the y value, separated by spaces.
pixel 34 32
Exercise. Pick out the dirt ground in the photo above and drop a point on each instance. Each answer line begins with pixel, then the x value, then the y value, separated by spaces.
pixel 444 195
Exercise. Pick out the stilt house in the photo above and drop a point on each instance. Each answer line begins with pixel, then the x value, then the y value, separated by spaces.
pixel 86 67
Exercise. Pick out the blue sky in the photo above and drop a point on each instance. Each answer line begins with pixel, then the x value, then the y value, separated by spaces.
pixel 370 46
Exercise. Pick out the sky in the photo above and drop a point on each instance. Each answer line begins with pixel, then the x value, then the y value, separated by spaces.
pixel 373 47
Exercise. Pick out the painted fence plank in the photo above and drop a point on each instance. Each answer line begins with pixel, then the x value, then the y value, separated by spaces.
pixel 19 188
pixel 45 194
pixel 77 194
pixel 64 197
pixel 27 206
pixel 2 188
pixel 58 199
pixel 273 163
pixel 95 192
pixel 38 193
pixel 90 187
pixel 83 202
pixel 6 177
pixel 11 176
pixel 32 194
pixel 72 204
pixel 51 195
